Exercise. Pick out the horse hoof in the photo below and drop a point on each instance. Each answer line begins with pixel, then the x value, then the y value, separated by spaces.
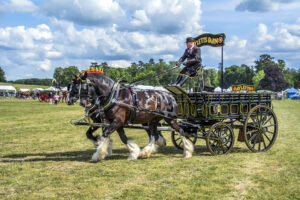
pixel 130 157
pixel 95 157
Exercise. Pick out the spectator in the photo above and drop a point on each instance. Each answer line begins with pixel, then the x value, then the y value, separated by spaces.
pixel 56 98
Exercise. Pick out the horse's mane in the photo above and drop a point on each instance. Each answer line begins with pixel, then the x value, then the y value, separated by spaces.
pixel 98 76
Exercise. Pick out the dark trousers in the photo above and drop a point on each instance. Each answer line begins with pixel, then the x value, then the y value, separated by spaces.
pixel 187 72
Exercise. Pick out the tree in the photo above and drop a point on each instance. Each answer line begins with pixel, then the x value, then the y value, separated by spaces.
pixel 264 61
pixel 2 75
pixel 212 77
pixel 64 75
pixel 297 79
pixel 281 64
pixel 273 79
pixel 59 74
pixel 256 79
pixel 236 75
pixel 289 75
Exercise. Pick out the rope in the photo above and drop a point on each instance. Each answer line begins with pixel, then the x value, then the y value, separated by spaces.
pixel 155 76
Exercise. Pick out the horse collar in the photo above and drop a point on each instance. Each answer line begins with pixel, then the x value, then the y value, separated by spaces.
pixel 112 97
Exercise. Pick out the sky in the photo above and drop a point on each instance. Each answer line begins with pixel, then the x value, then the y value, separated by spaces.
pixel 36 36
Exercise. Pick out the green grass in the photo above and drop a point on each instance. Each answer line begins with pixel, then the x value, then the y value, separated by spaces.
pixel 42 156
pixel 18 86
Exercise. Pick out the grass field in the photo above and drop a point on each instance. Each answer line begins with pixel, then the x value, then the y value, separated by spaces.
pixel 42 156
pixel 18 86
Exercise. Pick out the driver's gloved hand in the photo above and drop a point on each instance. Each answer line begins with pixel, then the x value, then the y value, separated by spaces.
pixel 178 63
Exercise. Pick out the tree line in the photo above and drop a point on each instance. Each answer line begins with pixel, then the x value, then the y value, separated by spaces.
pixel 267 74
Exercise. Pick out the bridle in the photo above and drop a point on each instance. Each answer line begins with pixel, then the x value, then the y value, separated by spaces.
pixel 103 102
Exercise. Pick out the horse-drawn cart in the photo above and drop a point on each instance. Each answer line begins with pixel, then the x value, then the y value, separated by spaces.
pixel 213 116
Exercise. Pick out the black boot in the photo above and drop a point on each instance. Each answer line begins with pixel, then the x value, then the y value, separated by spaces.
pixel 183 79
pixel 178 79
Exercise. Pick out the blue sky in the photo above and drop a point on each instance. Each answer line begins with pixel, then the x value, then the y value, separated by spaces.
pixel 38 36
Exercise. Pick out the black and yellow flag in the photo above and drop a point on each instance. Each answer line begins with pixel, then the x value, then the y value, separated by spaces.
pixel 208 39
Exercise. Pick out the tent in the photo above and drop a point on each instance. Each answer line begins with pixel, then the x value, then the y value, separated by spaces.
pixel 229 89
pixel 52 89
pixel 24 90
pixel 7 90
pixel 38 89
pixel 64 89
pixel 291 92
pixel 217 89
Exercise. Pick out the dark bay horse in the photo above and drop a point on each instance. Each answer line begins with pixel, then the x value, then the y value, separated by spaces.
pixel 98 89
pixel 93 113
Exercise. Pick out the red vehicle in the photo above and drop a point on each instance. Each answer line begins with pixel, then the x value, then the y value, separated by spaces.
pixel 44 97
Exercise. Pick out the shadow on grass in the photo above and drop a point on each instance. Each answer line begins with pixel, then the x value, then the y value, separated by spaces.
pixel 118 154
pixel 80 156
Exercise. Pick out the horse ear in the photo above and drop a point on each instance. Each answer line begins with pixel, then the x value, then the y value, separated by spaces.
pixel 85 75
pixel 82 76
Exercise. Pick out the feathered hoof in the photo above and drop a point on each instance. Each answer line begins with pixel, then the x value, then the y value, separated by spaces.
pixel 110 146
pixel 134 150
pixel 161 141
pixel 188 148
pixel 95 157
pixel 146 152
pixel 155 148
pixel 97 142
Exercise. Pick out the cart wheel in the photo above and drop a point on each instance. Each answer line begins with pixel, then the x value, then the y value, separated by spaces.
pixel 220 139
pixel 176 139
pixel 260 128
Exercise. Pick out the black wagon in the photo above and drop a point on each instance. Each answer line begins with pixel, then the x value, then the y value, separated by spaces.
pixel 213 116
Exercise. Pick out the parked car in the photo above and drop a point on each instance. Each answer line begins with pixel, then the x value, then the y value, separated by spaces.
pixel 296 96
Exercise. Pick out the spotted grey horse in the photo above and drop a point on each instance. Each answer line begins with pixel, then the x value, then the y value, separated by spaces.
pixel 120 105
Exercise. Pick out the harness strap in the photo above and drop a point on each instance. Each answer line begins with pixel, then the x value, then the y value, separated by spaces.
pixel 134 111
pixel 112 97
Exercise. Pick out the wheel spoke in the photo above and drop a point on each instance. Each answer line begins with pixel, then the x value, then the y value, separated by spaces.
pixel 266 115
pixel 223 149
pixel 253 119
pixel 259 142
pixel 251 131
pixel 269 126
pixel 263 141
pixel 267 137
pixel 270 132
pixel 257 118
pixel 177 139
pixel 253 136
pixel 255 141
pixel 268 119
pixel 180 143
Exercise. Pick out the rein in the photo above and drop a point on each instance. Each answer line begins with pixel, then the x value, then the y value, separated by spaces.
pixel 111 99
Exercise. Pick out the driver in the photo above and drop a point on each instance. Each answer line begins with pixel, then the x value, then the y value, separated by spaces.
pixel 193 63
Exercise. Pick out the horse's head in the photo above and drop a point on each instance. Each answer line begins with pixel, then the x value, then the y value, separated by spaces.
pixel 73 91
pixel 94 87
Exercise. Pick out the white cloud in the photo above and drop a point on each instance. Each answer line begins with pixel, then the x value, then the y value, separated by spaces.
pixel 84 12
pixel 28 75
pixel 17 6
pixel 140 18
pixel 166 16
pixel 280 40
pixel 265 5
pixel 119 63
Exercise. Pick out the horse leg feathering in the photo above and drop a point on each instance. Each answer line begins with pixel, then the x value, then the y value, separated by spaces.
pixel 102 150
pixel 134 150
pixel 147 150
